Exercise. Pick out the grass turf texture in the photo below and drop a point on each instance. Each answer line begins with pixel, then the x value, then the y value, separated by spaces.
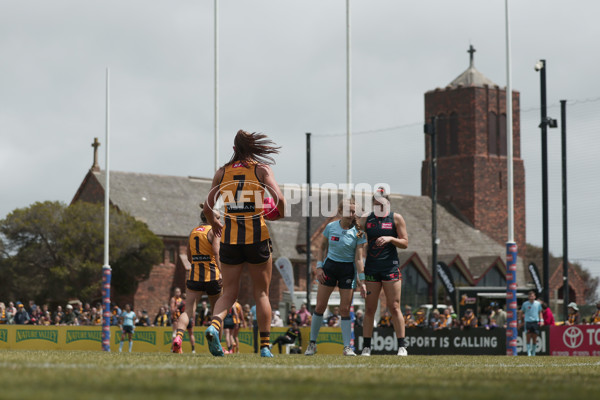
pixel 97 375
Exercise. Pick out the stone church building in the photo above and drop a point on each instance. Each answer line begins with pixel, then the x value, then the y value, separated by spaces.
pixel 471 209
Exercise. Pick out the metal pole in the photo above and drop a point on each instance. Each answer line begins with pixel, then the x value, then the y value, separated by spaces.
pixel 106 270
pixel 348 101
pixel 434 244
pixel 511 246
pixel 308 264
pixel 544 127
pixel 216 24
pixel 509 136
pixel 563 136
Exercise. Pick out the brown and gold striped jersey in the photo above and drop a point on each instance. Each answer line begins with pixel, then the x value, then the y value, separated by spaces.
pixel 243 196
pixel 204 266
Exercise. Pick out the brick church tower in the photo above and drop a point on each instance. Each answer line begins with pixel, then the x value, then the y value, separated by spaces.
pixel 471 149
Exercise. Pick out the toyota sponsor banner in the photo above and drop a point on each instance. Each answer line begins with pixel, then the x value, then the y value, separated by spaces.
pixel 576 340
pixel 474 341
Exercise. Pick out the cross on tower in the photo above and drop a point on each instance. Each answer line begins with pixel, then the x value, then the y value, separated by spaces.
pixel 471 51
pixel 95 145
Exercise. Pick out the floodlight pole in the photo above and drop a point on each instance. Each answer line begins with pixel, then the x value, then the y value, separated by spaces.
pixel 563 136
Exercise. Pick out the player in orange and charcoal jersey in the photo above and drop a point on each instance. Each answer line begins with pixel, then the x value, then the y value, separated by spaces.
pixel 241 184
pixel 203 276
pixel 175 305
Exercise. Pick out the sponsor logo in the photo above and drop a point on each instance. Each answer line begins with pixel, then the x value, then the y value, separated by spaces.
pixel 512 324
pixel 238 165
pixel 573 337
pixel 512 267
pixel 330 337
pixel 509 295
pixel 200 258
pixel 139 336
pixel 512 305
pixel 37 334
pixel 512 286
pixel 201 229
pixel 512 248
pixel 370 225
pixel 335 239
pixel 3 335
pixel 386 225
pixel 509 314
pixel 76 335
pixel 245 338
pixel 509 277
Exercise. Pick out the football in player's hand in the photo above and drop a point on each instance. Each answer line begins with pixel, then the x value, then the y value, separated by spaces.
pixel 270 209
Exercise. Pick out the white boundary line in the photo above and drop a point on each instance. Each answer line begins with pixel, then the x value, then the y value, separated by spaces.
pixel 179 366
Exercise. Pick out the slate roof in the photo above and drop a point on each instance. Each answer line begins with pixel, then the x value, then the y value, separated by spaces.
pixel 169 206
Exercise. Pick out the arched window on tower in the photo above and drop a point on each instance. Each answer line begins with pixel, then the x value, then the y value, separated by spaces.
pixel 442 135
pixel 492 133
pixel 453 124
pixel 502 135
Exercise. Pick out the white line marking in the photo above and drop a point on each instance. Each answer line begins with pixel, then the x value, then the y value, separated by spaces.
pixel 179 366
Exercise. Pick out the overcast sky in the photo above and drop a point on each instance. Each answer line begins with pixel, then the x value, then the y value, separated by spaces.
pixel 282 72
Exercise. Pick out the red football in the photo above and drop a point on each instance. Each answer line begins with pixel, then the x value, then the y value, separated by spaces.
pixel 270 209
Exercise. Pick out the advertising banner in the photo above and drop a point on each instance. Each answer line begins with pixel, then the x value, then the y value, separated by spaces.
pixel 474 341
pixel 145 339
pixel 576 340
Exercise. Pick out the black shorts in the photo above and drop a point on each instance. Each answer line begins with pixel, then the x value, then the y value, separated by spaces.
pixel 532 327
pixel 390 275
pixel 340 274
pixel 212 288
pixel 254 253
pixel 127 329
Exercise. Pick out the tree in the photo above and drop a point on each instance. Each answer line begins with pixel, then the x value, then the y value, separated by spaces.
pixel 55 253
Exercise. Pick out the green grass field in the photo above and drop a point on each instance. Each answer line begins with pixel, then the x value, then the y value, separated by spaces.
pixel 96 375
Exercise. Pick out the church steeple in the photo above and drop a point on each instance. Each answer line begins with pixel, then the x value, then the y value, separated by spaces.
pixel 471 77
pixel 471 51
pixel 95 166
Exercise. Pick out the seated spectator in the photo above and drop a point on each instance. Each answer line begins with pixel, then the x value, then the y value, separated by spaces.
pixel 57 316
pixel 142 318
pixel 22 316
pixel 445 320
pixel 293 316
pixel 547 315
pixel 434 320
pixel 409 320
pixel 358 321
pixel 305 315
pixel 468 320
pixel 69 317
pixel 162 318
pixel 116 313
pixel 289 337
pixel 46 319
pixel 574 318
pixel 11 310
pixel 420 319
pixel 276 320
pixel 386 320
pixel 498 315
pixel 3 318
pixel 596 316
